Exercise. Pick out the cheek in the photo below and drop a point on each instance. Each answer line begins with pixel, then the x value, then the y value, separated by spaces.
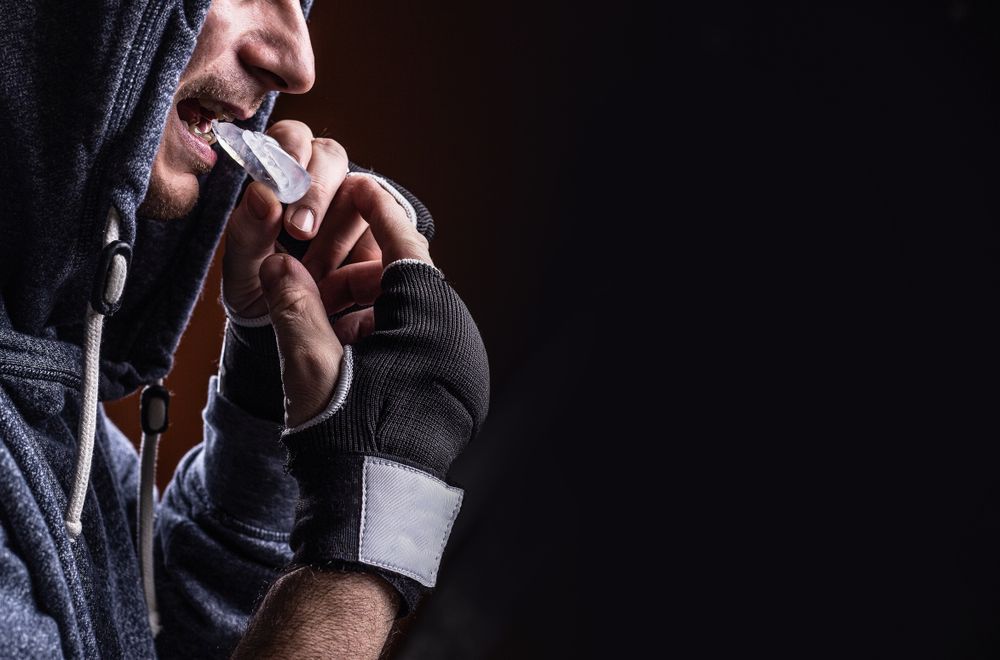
pixel 216 33
pixel 171 194
pixel 172 163
pixel 166 153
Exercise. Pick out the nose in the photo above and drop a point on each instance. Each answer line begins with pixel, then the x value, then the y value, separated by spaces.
pixel 280 55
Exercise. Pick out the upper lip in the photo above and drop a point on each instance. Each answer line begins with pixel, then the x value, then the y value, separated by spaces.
pixel 228 108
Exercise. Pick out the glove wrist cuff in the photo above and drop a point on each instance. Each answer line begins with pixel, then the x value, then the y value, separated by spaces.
pixel 377 513
pixel 250 371
pixel 233 316
pixel 412 262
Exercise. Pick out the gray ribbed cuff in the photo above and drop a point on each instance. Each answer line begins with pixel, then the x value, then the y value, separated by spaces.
pixel 250 371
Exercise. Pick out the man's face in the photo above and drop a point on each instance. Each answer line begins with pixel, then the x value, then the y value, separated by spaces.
pixel 244 50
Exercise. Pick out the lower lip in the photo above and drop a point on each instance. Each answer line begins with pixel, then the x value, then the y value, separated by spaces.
pixel 203 149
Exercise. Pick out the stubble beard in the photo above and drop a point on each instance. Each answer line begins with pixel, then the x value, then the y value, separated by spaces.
pixel 164 202
pixel 166 199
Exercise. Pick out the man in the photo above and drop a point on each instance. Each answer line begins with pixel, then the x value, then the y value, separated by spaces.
pixel 113 206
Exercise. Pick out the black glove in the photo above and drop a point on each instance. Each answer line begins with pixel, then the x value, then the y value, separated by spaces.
pixel 249 366
pixel 250 370
pixel 371 474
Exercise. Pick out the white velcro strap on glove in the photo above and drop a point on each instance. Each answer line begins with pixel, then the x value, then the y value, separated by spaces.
pixel 406 519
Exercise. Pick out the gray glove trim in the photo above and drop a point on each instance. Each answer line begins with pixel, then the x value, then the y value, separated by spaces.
pixel 337 398
pixel 258 322
pixel 411 213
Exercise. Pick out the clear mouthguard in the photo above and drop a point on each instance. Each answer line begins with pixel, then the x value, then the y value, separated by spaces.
pixel 264 160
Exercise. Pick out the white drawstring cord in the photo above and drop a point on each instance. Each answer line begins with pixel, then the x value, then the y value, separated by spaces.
pixel 154 414
pixel 155 400
pixel 114 285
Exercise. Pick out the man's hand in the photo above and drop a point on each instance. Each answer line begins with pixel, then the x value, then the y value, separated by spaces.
pixel 341 268
pixel 299 306
pixel 253 228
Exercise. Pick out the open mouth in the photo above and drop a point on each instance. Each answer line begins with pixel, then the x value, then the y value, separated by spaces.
pixel 198 113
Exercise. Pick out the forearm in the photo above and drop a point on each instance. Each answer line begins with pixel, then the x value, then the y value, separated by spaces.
pixel 222 531
pixel 314 613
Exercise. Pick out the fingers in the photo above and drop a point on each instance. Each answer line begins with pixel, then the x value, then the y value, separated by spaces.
pixel 309 349
pixel 250 234
pixel 355 326
pixel 327 167
pixel 366 249
pixel 341 230
pixel 393 231
pixel 326 162
pixel 295 138
pixel 358 283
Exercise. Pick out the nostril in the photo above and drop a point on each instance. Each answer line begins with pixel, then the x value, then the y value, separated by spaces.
pixel 276 80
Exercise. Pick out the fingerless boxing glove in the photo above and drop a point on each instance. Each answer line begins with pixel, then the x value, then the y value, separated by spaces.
pixel 371 469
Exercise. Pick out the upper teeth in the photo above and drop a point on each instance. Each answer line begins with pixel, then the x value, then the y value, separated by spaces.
pixel 216 107
pixel 208 136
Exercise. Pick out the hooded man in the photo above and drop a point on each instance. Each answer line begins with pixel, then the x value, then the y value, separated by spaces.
pixel 348 381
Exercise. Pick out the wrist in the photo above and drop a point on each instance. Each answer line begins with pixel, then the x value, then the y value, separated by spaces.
pixel 309 612
pixel 367 513
pixel 249 366
pixel 372 494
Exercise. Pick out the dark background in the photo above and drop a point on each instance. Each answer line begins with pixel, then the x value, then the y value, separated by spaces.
pixel 506 121
pixel 736 267
pixel 837 178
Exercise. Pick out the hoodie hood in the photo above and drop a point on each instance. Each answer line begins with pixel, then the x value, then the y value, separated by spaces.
pixel 86 107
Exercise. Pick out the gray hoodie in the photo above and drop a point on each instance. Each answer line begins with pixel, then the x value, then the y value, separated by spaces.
pixel 85 88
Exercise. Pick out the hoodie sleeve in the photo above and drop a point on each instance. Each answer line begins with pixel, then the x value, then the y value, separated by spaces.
pixel 222 531
pixel 26 631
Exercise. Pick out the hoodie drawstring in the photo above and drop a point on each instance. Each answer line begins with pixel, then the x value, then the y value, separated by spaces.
pixel 154 406
pixel 104 301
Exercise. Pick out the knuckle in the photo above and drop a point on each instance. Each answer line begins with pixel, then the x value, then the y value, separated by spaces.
pixel 242 243
pixel 364 188
pixel 310 365
pixel 371 189
pixel 293 307
pixel 331 147
pixel 293 136
pixel 420 241
pixel 289 127
pixel 415 245
pixel 236 242
pixel 314 364
pixel 321 188
pixel 325 185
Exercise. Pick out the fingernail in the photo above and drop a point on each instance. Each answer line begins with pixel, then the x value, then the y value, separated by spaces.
pixel 258 205
pixel 303 219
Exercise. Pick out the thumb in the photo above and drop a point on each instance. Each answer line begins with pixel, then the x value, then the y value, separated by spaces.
pixel 250 235
pixel 308 347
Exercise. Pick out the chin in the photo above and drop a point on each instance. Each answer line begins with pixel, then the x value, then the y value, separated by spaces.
pixel 170 196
